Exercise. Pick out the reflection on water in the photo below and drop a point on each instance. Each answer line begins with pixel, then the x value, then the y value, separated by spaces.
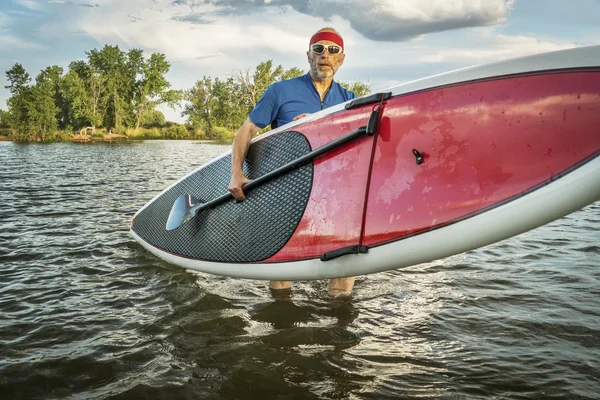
pixel 87 313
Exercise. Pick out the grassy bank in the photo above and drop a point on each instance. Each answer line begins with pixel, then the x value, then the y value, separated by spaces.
pixel 172 132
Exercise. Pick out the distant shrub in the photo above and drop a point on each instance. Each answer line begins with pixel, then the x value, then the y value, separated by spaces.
pixel 144 134
pixel 222 134
pixel 176 132
pixel 154 133
pixel 199 133
pixel 153 119
pixel 58 136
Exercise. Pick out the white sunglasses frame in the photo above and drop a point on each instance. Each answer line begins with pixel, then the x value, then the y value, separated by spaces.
pixel 327 46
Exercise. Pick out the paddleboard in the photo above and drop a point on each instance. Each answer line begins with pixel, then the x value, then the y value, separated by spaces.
pixel 425 170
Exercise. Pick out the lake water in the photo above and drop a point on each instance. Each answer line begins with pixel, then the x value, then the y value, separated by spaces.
pixel 85 312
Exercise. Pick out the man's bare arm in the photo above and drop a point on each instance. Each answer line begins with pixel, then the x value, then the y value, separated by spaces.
pixel 241 143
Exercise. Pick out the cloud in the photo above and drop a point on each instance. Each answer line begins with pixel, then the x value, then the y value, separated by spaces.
pixel 390 20
pixel 194 18
pixel 494 48
pixel 203 57
pixel 196 35
pixel 74 3
pixel 380 20
pixel 31 4
pixel 10 42
pixel 4 22
pixel 225 29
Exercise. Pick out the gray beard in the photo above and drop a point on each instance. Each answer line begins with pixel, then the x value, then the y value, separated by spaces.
pixel 321 75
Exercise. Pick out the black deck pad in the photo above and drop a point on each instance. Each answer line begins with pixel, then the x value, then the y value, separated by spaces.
pixel 249 231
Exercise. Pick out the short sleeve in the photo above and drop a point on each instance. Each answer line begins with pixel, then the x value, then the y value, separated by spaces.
pixel 349 95
pixel 266 109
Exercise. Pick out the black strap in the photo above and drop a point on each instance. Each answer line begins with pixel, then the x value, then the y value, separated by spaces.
pixel 374 98
pixel 330 255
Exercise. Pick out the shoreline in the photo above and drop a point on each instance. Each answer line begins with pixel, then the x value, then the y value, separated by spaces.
pixel 111 138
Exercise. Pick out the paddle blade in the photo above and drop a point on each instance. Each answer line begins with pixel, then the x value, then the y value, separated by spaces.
pixel 182 211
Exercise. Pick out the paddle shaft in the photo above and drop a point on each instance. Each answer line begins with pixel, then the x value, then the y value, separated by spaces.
pixel 334 144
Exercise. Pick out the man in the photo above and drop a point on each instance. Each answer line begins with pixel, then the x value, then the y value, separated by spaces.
pixel 289 100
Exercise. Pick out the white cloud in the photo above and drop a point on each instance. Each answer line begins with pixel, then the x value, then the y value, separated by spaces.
pixel 224 41
pixel 4 22
pixel 9 42
pixel 392 20
pixel 195 30
pixel 227 32
pixel 496 48
pixel 31 4
pixel 387 20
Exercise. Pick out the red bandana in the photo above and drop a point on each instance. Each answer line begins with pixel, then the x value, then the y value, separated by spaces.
pixel 331 36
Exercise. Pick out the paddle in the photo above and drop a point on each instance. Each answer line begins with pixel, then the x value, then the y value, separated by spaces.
pixel 187 207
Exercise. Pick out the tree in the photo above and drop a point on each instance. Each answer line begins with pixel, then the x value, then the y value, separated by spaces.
pixel 19 88
pixel 84 86
pixel 55 76
pixel 42 109
pixel 226 109
pixel 152 119
pixel 293 72
pixel 227 103
pixel 4 123
pixel 358 88
pixel 253 85
pixel 153 88
pixel 111 63
pixel 198 107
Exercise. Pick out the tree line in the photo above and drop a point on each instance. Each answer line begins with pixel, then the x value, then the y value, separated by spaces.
pixel 118 92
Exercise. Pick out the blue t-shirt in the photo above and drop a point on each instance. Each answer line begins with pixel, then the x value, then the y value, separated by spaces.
pixel 284 100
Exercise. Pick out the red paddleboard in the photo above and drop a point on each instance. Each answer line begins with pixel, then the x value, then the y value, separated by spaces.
pixel 447 164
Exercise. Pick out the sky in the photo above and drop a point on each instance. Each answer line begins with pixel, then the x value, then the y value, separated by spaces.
pixel 387 42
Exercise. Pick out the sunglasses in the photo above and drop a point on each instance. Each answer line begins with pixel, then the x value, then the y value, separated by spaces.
pixel 320 48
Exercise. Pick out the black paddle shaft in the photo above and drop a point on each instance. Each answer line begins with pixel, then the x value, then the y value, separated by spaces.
pixel 334 144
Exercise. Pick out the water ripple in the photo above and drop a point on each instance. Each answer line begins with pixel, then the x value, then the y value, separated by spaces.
pixel 88 313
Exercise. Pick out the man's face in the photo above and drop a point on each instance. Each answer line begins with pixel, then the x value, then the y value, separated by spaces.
pixel 325 65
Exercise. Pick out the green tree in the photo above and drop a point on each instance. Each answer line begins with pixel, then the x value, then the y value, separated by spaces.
pixel 55 75
pixel 83 86
pixel 227 103
pixel 42 108
pixel 152 119
pixel 358 88
pixel 253 85
pixel 20 90
pixel 152 88
pixel 293 72
pixel 4 119
pixel 226 109
pixel 112 63
pixel 198 106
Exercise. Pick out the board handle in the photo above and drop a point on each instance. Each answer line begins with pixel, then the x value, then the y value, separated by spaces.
pixel 330 255
pixel 362 101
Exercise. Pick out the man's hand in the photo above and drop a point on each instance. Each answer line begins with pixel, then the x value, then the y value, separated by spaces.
pixel 235 186
pixel 238 153
pixel 297 117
